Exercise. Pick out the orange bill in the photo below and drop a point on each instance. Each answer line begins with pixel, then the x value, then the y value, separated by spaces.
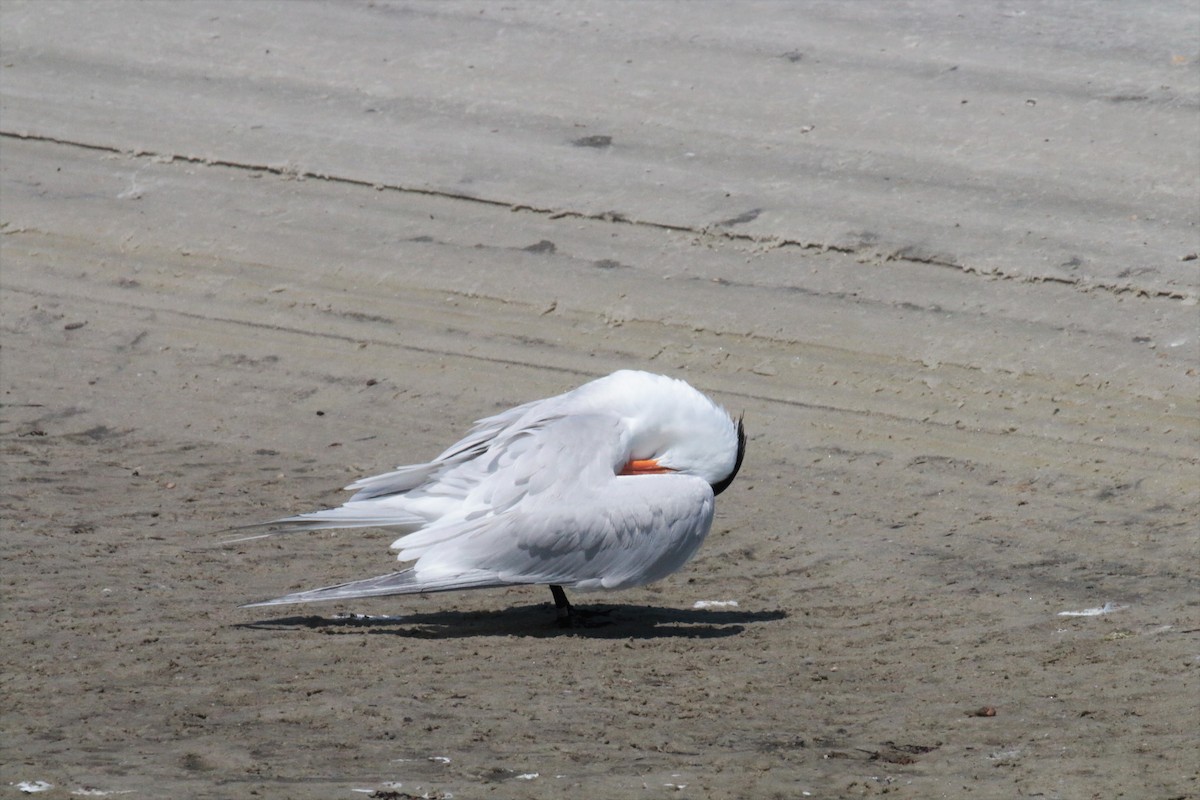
pixel 644 466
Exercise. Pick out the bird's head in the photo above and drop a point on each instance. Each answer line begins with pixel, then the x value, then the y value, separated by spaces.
pixel 678 429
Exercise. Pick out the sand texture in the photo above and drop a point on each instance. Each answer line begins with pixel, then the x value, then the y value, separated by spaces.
pixel 943 256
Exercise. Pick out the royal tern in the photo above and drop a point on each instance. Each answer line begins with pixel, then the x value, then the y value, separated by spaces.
pixel 607 486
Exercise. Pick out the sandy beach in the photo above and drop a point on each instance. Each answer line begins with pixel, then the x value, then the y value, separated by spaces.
pixel 942 257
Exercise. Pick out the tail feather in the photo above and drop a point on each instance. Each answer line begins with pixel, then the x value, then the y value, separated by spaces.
pixel 403 582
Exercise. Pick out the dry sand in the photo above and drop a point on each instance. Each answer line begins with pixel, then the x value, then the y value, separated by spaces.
pixel 942 257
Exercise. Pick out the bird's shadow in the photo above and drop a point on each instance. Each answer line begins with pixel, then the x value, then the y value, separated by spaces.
pixel 535 620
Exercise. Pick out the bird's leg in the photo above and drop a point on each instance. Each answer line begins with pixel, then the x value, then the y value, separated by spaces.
pixel 568 617
pixel 565 613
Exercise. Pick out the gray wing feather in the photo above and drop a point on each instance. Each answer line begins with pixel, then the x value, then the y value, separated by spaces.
pixel 545 506
pixel 404 582
pixel 575 523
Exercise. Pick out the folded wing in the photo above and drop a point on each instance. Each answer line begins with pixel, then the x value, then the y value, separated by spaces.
pixel 543 504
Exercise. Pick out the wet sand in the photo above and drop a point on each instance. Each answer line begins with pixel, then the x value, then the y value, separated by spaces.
pixel 252 252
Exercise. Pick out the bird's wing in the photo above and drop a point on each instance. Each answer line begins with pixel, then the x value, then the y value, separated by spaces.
pixel 477 441
pixel 538 462
pixel 403 582
pixel 546 506
pixel 380 500
pixel 640 530
pixel 399 480
pixel 549 507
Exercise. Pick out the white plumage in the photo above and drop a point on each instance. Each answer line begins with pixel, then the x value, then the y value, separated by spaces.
pixel 607 486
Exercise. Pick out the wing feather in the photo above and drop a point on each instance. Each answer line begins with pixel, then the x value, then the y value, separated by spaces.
pixel 558 513
pixel 403 582
pixel 527 497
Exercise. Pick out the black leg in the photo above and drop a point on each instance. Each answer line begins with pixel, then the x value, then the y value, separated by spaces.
pixel 568 617
pixel 564 607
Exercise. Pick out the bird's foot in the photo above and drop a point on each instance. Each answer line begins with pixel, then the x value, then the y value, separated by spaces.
pixel 571 617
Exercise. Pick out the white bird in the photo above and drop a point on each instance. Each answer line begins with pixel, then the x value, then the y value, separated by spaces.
pixel 607 486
